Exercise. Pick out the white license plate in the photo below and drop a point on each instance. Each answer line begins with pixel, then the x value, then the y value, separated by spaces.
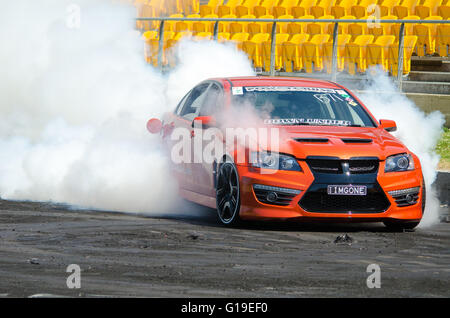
pixel 347 190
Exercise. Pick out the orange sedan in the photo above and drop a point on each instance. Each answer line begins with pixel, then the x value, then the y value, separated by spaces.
pixel 287 148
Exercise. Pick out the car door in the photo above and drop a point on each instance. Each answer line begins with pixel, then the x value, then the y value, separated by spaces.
pixel 202 167
pixel 183 124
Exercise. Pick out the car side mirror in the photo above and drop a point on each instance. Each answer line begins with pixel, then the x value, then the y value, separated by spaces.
pixel 154 126
pixel 388 125
pixel 204 121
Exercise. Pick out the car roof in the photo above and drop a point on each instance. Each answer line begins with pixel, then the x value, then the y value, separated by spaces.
pixel 278 81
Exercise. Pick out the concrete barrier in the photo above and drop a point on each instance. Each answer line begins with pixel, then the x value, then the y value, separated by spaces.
pixel 442 185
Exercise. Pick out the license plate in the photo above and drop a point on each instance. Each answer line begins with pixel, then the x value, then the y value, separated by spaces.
pixel 347 190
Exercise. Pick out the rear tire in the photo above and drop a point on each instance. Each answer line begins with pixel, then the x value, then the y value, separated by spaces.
pixel 228 194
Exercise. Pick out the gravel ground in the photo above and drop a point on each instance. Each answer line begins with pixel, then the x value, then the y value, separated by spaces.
pixel 190 255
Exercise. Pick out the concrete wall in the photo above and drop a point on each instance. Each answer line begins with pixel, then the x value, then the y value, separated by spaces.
pixel 432 102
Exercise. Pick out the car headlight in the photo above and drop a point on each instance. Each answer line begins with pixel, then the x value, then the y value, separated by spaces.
pixel 403 162
pixel 271 160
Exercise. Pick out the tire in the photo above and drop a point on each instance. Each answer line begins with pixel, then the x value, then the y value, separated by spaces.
pixel 228 201
pixel 399 226
pixel 424 196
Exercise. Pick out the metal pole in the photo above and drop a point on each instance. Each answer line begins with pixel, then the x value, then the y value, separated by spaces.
pixel 401 43
pixel 334 53
pixel 161 44
pixel 272 48
pixel 216 31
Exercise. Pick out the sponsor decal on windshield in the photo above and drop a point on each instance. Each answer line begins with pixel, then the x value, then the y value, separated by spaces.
pixel 288 89
pixel 237 90
pixel 307 121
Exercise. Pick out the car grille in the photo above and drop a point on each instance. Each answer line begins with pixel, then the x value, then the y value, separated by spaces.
pixel 336 171
pixel 316 199
pixel 336 166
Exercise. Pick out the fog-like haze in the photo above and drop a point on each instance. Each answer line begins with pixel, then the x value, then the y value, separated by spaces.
pixel 75 95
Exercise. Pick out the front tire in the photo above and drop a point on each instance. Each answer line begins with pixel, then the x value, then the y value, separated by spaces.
pixel 228 194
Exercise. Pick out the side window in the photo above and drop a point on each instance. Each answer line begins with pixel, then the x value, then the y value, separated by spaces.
pixel 213 101
pixel 181 103
pixel 194 101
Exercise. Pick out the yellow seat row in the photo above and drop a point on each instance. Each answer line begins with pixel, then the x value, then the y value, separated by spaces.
pixel 299 52
pixel 319 8
pixel 432 38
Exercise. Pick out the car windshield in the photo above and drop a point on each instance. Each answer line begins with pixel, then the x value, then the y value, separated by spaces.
pixel 303 106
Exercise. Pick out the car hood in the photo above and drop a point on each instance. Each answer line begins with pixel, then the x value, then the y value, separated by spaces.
pixel 342 142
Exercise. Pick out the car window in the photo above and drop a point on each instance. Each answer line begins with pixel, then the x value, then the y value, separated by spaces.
pixel 181 103
pixel 213 101
pixel 194 102
pixel 304 105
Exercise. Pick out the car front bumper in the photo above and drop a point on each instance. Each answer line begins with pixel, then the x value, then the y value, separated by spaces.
pixel 253 207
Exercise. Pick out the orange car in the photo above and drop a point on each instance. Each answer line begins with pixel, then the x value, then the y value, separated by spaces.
pixel 323 156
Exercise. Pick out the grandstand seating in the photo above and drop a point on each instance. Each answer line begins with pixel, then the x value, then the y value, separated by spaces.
pixel 304 46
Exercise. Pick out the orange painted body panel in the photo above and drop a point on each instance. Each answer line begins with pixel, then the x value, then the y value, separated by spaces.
pixel 200 187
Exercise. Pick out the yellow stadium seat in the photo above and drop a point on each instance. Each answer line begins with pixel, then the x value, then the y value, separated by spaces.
pixel 253 48
pixel 266 48
pixel 154 47
pixel 312 52
pixel 225 26
pixel 283 8
pixel 203 36
pixel 178 37
pixel 282 26
pixel 327 27
pixel 425 37
pixel 342 40
pixel 190 6
pixel 409 44
pixel 428 8
pixel 298 27
pixel 264 8
pixel 444 11
pixel 228 8
pixel 355 54
pixel 378 52
pixel 409 27
pixel 245 8
pixel 210 8
pixel 204 26
pixel 405 8
pixel 343 8
pixel 323 7
pixel 260 27
pixel 170 25
pixel 239 39
pixel 386 7
pixel 433 29
pixel 303 8
pixel 223 37
pixel 343 27
pixel 292 52
pixel 443 39
pixel 356 29
pixel 148 36
pixel 387 27
pixel 360 10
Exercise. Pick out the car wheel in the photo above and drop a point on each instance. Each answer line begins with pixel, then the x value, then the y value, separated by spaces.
pixel 227 194
pixel 424 196
pixel 399 226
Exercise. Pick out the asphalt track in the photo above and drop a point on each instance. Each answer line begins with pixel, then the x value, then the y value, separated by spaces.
pixel 190 255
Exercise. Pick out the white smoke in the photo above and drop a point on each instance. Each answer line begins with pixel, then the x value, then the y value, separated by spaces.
pixel 420 132
pixel 74 101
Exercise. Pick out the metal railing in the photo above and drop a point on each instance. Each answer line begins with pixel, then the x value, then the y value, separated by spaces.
pixel 274 30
